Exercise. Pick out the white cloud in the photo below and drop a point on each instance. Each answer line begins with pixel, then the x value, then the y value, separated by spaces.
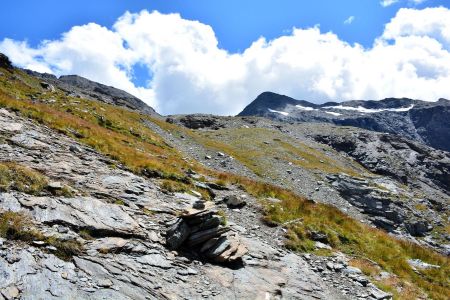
pixel 190 73
pixel 349 20
pixel 417 2
pixel 386 3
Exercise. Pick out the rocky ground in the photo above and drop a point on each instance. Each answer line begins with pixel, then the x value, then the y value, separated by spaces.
pixel 397 185
pixel 121 219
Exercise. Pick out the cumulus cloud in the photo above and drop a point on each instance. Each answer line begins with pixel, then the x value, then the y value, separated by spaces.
pixel 190 73
pixel 349 20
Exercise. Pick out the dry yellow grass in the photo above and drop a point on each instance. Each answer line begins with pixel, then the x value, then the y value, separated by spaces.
pixel 18 226
pixel 16 177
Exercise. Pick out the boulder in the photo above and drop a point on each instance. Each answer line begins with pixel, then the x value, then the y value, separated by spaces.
pixel 205 235
pixel 417 227
pixel 47 86
pixel 233 201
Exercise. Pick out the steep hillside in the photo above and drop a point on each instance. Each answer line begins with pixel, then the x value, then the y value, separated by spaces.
pixel 79 87
pixel 103 201
pixel 425 122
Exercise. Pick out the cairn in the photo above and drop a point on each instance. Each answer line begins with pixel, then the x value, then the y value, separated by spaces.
pixel 199 229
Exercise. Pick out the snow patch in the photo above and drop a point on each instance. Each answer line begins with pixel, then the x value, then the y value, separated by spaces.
pixel 305 108
pixel 279 112
pixel 333 113
pixel 370 110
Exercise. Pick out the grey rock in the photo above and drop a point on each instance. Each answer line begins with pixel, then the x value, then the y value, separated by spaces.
pixel 177 234
pixel 82 212
pixel 204 235
pixel 156 260
pixel 418 227
pixel 28 140
pixel 233 201
pixel 379 294
pixel 106 283
pixel 47 86
pixel 218 248
pixel 419 264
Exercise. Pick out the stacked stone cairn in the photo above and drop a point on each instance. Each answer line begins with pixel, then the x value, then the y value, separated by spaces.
pixel 199 230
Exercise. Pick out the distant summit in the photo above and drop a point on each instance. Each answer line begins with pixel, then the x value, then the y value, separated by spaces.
pixel 426 122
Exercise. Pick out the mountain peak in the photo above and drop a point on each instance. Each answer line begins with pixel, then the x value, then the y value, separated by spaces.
pixel 426 122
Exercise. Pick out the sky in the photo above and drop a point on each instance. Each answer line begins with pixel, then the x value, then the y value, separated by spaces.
pixel 207 56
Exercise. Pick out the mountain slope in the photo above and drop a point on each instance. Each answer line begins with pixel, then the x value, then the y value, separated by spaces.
pixel 425 122
pixel 77 86
pixel 90 193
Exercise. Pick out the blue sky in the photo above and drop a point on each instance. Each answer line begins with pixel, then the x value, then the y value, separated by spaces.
pixel 235 26
pixel 237 23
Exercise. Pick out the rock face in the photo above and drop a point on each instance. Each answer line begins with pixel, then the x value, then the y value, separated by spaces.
pixel 396 157
pixel 425 122
pixel 386 208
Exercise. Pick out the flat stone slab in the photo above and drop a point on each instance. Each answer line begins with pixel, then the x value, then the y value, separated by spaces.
pixel 82 212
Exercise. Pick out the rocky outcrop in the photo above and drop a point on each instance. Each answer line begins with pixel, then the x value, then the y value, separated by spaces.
pixel 5 62
pixel 196 121
pixel 387 209
pixel 124 254
pixel 401 159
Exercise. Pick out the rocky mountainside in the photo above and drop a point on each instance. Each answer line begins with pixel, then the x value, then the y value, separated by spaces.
pixel 102 200
pixel 81 87
pixel 425 122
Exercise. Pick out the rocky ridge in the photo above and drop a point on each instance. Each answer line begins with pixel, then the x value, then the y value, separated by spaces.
pixel 425 122
pixel 80 87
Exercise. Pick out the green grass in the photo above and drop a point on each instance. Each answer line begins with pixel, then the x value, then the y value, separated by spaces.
pixel 355 239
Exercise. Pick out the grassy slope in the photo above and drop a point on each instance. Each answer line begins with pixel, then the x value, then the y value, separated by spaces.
pixel 120 134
